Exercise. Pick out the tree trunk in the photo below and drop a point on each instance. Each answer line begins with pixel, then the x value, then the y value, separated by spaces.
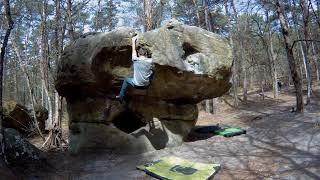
pixel 206 15
pixel 273 57
pixel 275 74
pixel 97 23
pixel 215 105
pixel 245 78
pixel 262 83
pixel 110 14
pixel 58 51
pixel 70 23
pixel 305 48
pixel 55 134
pixel 208 105
pixel 243 64
pixel 292 64
pixel 44 60
pixel 148 24
pixel 9 23
pixel 17 82
pixel 307 70
pixel 31 95
pixel 197 12
pixel 160 14
pixel 234 64
pixel 316 64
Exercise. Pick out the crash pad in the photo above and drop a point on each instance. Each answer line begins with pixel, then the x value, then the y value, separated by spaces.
pixel 179 169
pixel 229 132
pixel 222 131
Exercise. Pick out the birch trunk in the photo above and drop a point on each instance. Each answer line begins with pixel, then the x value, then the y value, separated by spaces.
pixel 307 70
pixel 31 95
pixel 305 48
pixel 245 78
pixel 275 74
pixel 16 82
pixel 44 61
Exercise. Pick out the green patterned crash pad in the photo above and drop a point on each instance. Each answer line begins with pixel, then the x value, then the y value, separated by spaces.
pixel 229 132
pixel 179 169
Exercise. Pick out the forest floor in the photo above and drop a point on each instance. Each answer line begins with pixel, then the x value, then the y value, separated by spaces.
pixel 279 144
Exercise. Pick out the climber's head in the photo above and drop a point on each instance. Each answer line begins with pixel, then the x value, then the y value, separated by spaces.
pixel 142 51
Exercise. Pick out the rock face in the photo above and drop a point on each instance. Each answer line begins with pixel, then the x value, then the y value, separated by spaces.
pixel 16 116
pixel 42 115
pixel 191 64
pixel 20 118
pixel 19 151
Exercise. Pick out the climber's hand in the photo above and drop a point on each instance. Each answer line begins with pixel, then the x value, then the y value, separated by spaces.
pixel 133 33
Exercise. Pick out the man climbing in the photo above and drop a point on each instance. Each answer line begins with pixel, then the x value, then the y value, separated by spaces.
pixel 142 70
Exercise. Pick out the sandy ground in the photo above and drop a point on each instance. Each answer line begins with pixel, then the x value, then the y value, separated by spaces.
pixel 279 144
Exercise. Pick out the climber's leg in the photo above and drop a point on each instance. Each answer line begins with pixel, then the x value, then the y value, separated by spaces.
pixel 126 82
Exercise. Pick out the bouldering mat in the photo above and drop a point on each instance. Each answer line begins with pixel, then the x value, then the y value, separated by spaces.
pixel 179 169
pixel 229 132
pixel 222 131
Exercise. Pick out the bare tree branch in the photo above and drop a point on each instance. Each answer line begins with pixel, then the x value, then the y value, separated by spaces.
pixel 304 40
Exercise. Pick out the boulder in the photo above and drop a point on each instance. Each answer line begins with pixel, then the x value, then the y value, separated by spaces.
pixel 16 116
pixel 19 151
pixel 191 64
pixel 6 173
pixel 42 116
pixel 20 118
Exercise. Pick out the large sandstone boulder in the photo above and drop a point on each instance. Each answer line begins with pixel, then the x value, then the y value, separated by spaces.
pixel 16 116
pixel 191 64
pixel 20 118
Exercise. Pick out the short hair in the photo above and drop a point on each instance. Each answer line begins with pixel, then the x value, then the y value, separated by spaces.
pixel 142 51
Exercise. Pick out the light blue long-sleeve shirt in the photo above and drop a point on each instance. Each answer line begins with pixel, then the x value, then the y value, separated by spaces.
pixel 142 71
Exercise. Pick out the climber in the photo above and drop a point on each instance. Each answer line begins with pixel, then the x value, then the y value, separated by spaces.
pixel 142 70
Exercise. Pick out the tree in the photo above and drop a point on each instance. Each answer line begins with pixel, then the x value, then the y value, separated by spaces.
pixel 290 57
pixel 70 21
pixel 148 19
pixel 265 33
pixel 305 47
pixel 234 64
pixel 9 23
pixel 242 56
pixel 206 15
pixel 105 16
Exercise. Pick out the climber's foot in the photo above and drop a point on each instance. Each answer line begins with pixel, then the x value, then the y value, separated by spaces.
pixel 120 98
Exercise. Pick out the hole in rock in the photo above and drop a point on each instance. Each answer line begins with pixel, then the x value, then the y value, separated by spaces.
pixel 188 50
pixel 128 121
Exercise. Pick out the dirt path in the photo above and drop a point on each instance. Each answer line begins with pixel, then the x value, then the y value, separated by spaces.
pixel 279 144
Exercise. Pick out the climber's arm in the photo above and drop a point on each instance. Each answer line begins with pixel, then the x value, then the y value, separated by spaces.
pixel 134 52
